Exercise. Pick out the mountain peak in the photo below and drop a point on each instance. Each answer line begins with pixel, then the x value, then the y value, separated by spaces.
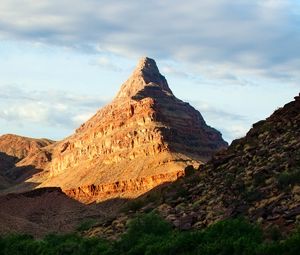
pixel 146 74
pixel 147 64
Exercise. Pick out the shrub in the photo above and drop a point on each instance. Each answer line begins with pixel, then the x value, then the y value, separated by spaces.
pixel 189 170
pixel 289 178
pixel 86 225
pixel 150 235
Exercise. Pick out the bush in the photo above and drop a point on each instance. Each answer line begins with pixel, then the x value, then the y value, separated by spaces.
pixel 289 178
pixel 142 231
pixel 86 225
pixel 189 170
pixel 150 235
pixel 134 205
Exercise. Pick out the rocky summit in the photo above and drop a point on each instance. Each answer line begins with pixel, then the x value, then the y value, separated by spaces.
pixel 144 137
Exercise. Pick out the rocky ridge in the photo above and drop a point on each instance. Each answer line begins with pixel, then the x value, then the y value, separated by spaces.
pixel 257 177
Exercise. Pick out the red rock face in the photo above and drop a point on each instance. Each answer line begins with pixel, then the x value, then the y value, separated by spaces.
pixel 122 189
pixel 144 132
pixel 21 147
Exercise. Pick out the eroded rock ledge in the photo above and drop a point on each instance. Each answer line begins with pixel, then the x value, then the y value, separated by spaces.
pixel 121 189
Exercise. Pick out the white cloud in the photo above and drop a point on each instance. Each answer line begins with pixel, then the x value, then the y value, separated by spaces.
pixel 236 131
pixel 48 108
pixel 230 124
pixel 210 42
pixel 239 35
pixel 107 63
pixel 33 112
pixel 216 113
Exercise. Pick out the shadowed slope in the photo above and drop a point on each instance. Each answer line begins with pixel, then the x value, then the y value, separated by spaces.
pixel 257 177
pixel 43 211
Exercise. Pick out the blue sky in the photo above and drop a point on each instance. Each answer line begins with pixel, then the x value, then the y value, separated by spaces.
pixel 61 60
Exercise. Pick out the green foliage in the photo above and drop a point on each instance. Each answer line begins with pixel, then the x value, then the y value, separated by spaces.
pixel 153 197
pixel 229 179
pixel 259 179
pixel 53 245
pixel 134 205
pixel 273 233
pixel 182 192
pixel 289 178
pixel 291 246
pixel 189 170
pixel 86 225
pixel 150 235
pixel 194 179
pixel 252 194
pixel 143 231
pixel 20 244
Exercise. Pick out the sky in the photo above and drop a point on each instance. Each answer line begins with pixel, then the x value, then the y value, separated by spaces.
pixel 62 60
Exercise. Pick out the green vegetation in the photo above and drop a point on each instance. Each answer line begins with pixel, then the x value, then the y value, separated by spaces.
pixel 134 205
pixel 150 235
pixel 86 225
pixel 152 197
pixel 189 170
pixel 289 178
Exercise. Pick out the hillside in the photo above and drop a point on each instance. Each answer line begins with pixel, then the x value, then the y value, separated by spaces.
pixel 43 211
pixel 257 177
pixel 18 160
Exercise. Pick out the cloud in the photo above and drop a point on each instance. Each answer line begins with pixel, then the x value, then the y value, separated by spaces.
pixel 235 131
pixel 58 109
pixel 107 63
pixel 231 125
pixel 235 38
pixel 216 113
pixel 211 42
pixel 177 72
pixel 46 108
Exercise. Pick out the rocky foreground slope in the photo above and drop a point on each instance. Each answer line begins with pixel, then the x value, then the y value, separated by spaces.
pixel 43 211
pixel 144 137
pixel 257 177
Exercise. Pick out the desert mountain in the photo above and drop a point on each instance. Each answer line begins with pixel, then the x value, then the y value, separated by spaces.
pixel 257 177
pixel 144 137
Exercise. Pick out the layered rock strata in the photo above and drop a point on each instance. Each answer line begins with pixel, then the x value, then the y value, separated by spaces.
pixel 144 132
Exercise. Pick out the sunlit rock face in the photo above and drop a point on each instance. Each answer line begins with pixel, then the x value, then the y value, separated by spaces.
pixel 20 157
pixel 145 132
